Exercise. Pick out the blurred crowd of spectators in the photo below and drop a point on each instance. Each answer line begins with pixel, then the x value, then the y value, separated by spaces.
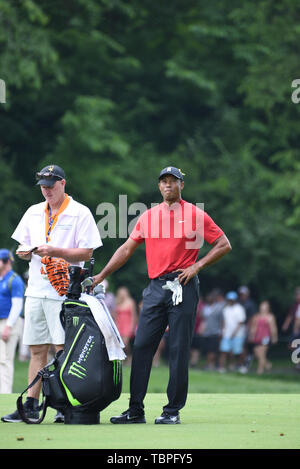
pixel 232 332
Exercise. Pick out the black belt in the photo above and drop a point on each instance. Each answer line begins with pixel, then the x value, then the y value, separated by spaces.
pixel 169 276
pixel 172 276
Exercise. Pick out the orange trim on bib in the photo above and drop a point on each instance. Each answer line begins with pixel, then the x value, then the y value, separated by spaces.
pixel 55 217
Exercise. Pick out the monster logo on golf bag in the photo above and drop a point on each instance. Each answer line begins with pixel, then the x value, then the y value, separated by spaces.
pixel 81 380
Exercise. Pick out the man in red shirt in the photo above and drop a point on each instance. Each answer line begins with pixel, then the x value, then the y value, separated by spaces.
pixel 173 232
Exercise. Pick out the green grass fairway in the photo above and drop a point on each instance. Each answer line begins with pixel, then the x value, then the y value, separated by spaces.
pixel 210 421
pixel 201 382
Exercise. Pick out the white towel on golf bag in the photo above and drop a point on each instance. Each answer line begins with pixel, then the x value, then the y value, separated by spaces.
pixel 113 341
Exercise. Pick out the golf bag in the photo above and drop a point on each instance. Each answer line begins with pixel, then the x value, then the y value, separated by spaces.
pixel 80 381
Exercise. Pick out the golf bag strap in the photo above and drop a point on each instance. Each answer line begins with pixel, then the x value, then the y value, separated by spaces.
pixel 43 406
pixel 62 316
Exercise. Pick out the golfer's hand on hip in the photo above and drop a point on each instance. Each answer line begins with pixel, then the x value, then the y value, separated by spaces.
pixel 187 274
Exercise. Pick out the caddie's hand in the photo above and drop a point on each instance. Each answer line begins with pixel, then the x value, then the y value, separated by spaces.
pixel 187 274
pixel 24 252
pixel 24 256
pixel 45 250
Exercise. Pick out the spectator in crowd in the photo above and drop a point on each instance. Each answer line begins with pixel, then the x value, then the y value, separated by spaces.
pixel 109 299
pixel 296 334
pixel 233 333
pixel 126 318
pixel 247 301
pixel 196 340
pixel 296 328
pixel 263 332
pixel 290 323
pixel 250 308
pixel 212 328
pixel 11 306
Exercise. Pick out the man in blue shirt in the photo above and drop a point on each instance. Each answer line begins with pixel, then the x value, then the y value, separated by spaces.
pixel 11 305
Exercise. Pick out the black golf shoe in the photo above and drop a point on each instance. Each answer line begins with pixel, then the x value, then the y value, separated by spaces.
pixel 168 419
pixel 127 417
pixel 15 417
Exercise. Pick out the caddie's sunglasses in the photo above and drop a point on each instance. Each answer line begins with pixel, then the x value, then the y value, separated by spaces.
pixel 47 175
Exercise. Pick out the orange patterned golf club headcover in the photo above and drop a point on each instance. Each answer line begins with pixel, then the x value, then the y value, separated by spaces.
pixel 58 274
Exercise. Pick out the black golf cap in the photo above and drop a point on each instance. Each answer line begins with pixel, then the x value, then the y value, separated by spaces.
pixel 49 175
pixel 173 171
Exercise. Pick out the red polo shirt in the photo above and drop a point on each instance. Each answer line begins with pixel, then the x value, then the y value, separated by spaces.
pixel 173 235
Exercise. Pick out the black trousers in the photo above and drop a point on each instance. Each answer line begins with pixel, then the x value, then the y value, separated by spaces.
pixel 157 313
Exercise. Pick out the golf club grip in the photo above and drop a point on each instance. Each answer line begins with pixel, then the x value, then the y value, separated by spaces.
pixel 91 269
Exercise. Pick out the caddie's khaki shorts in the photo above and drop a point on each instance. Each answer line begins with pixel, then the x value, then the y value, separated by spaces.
pixel 42 322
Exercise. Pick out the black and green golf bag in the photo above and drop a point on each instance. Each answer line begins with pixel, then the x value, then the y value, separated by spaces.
pixel 80 381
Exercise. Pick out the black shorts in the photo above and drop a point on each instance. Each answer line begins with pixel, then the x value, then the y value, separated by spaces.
pixel 197 342
pixel 210 344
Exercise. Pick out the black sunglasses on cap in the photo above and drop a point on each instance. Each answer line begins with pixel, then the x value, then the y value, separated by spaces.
pixel 48 175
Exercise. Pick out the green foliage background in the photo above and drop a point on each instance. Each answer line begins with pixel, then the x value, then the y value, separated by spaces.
pixel 114 90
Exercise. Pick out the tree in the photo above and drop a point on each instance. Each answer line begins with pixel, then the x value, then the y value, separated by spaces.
pixel 115 91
